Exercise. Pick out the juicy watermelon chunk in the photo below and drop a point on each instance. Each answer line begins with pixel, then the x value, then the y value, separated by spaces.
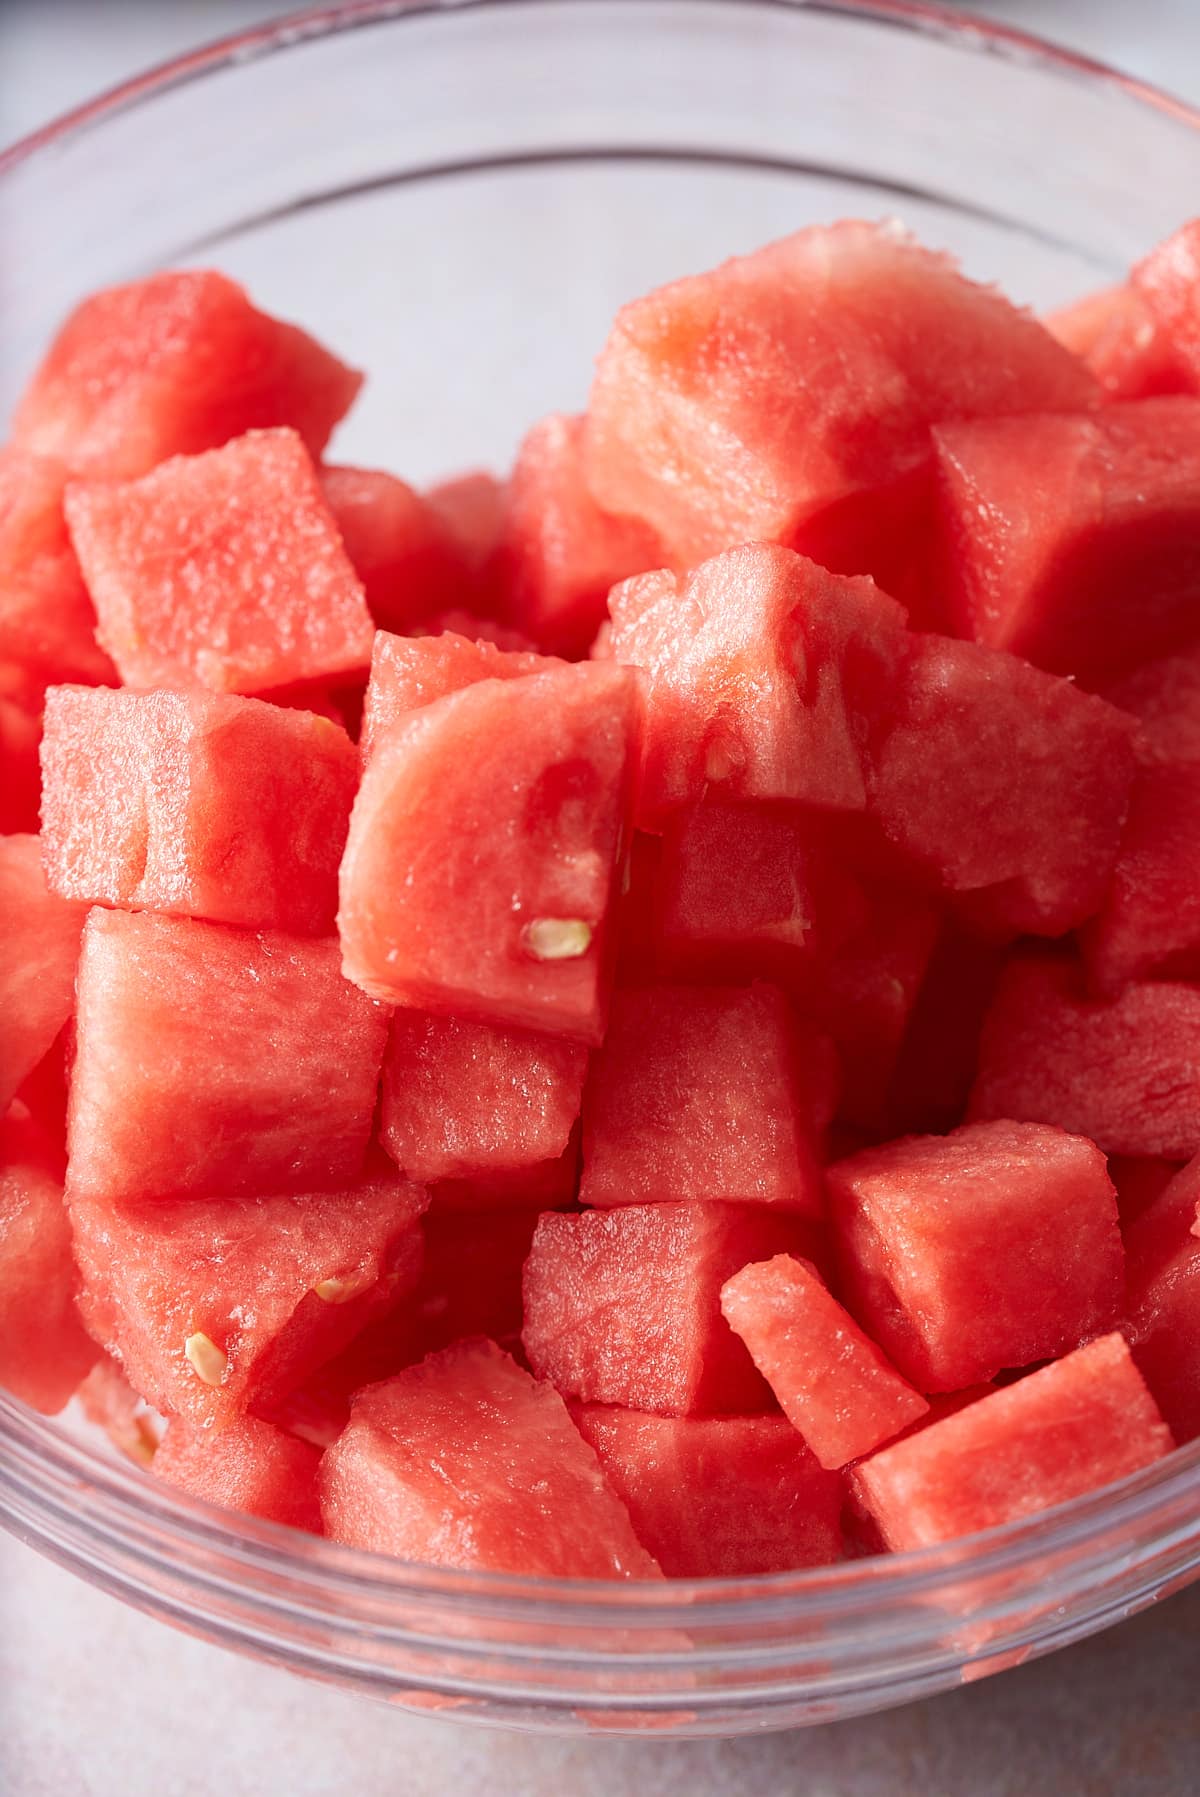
pixel 471 1282
pixel 787 396
pixel 991 1247
pixel 44 1350
pixel 623 1306
pixel 1122 1072
pixel 939 1054
pixel 1168 280
pixel 170 366
pixel 762 672
pixel 483 851
pixel 1149 923
pixel 545 1185
pixel 695 1095
pixel 47 620
pixel 1116 333
pixel 1066 1430
pixel 997 780
pixel 559 553
pixel 211 1060
pixel 109 1402
pixel 198 804
pixel 39 946
pixel 251 1466
pixel 215 1306
pixel 20 734
pixel 833 1383
pixel 1140 1180
pixel 1072 540
pixel 467 1461
pixel 223 570
pixel 403 552
pixel 408 672
pixel 1164 1300
pixel 463 1099
pixel 1164 697
pixel 718 1496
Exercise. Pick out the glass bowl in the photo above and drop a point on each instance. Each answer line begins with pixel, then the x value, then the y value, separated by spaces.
pixel 457 197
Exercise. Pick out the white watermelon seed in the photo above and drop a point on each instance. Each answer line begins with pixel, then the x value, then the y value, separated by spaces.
pixel 341 1291
pixel 206 1359
pixel 557 938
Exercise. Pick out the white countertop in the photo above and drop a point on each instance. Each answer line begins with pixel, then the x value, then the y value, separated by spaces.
pixel 98 1701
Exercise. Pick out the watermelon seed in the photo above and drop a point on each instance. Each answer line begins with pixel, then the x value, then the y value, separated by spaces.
pixel 341 1291
pixel 557 938
pixel 206 1359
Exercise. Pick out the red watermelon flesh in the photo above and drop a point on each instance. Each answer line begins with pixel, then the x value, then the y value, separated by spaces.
pixel 833 1383
pixel 198 804
pixel 1168 280
pixel 20 734
pixel 1000 781
pixel 992 1247
pixel 39 946
pixel 466 1461
pixel 172 365
pixel 109 1402
pixel 939 1054
pixel 223 570
pixel 1164 697
pixel 695 1095
pixel 471 1283
pixel 251 1466
pixel 754 401
pixel 546 1185
pixel 1164 1300
pixel 623 1306
pixel 1117 335
pixel 1140 1180
pixel 213 1060
pixel 718 1497
pixel 402 551
pixel 463 1099
pixel 44 1091
pixel 1055 1435
pixel 1149 923
pixel 1121 1071
pixel 47 620
pixel 762 672
pixel 484 847
pixel 1072 540
pixel 44 1350
pixel 477 630
pixel 472 507
pixel 408 672
pixel 214 1306
pixel 559 553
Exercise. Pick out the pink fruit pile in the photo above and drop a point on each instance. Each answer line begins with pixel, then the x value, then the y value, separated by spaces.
pixel 643 1019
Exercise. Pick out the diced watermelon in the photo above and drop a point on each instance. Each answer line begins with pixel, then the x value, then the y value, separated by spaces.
pixel 402 551
pixel 695 1095
pixel 991 1247
pixel 1169 282
pixel 39 946
pixel 1121 1071
pixel 1149 923
pixel 172 365
pixel 109 1402
pixel 467 1461
pixel 623 1306
pixel 718 1497
pixel 251 1466
pixel 44 1091
pixel 1117 335
pixel 47 621
pixel 833 1383
pixel 939 1055
pixel 1140 1180
pixel 464 1099
pixel 1164 697
pixel 1003 782
pixel 408 672
pixel 477 630
pixel 559 553
pixel 546 1185
pixel 199 804
pixel 1072 540
pixel 787 395
pixel 214 1306
pixel 20 734
pixel 762 673
pixel 1055 1435
pixel 471 1283
pixel 44 1350
pixel 211 1060
pixel 484 847
pixel 223 570
pixel 472 506
pixel 1164 1300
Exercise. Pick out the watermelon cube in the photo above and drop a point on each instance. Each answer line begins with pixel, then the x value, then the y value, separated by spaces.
pixel 544 1185
pixel 215 1306
pixel 1168 280
pixel 718 1496
pixel 1116 333
pixel 997 780
pixel 991 1247
pixel 483 851
pixel 939 1055
pixel 559 553
pixel 402 550
pixel 787 395
pixel 1140 1180
pixel 171 365
pixel 20 734
pixel 410 671
pixel 1121 1071
pixel 223 570
pixel 44 1349
pixel 464 1099
pixel 211 1060
pixel 198 804
pixel 1164 697
pixel 763 672
pixel 47 620
pixel 624 1306
pixel 251 1466
pixel 466 1461
pixel 109 1402
pixel 1072 1427
pixel 1072 540
pixel 1163 1255
pixel 833 1383
pixel 1149 923
pixel 695 1095
pixel 471 1281
pixel 39 946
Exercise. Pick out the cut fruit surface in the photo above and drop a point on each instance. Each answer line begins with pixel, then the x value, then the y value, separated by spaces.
pixel 1168 280
pixel 403 552
pixel 1164 1300
pixel 47 620
pixel 1116 333
pixel 39 947
pixel 408 672
pixel 251 1466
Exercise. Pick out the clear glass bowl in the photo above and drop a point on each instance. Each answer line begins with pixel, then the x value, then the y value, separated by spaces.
pixel 457 197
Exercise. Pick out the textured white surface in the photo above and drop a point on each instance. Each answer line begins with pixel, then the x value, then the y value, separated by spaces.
pixel 98 1701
